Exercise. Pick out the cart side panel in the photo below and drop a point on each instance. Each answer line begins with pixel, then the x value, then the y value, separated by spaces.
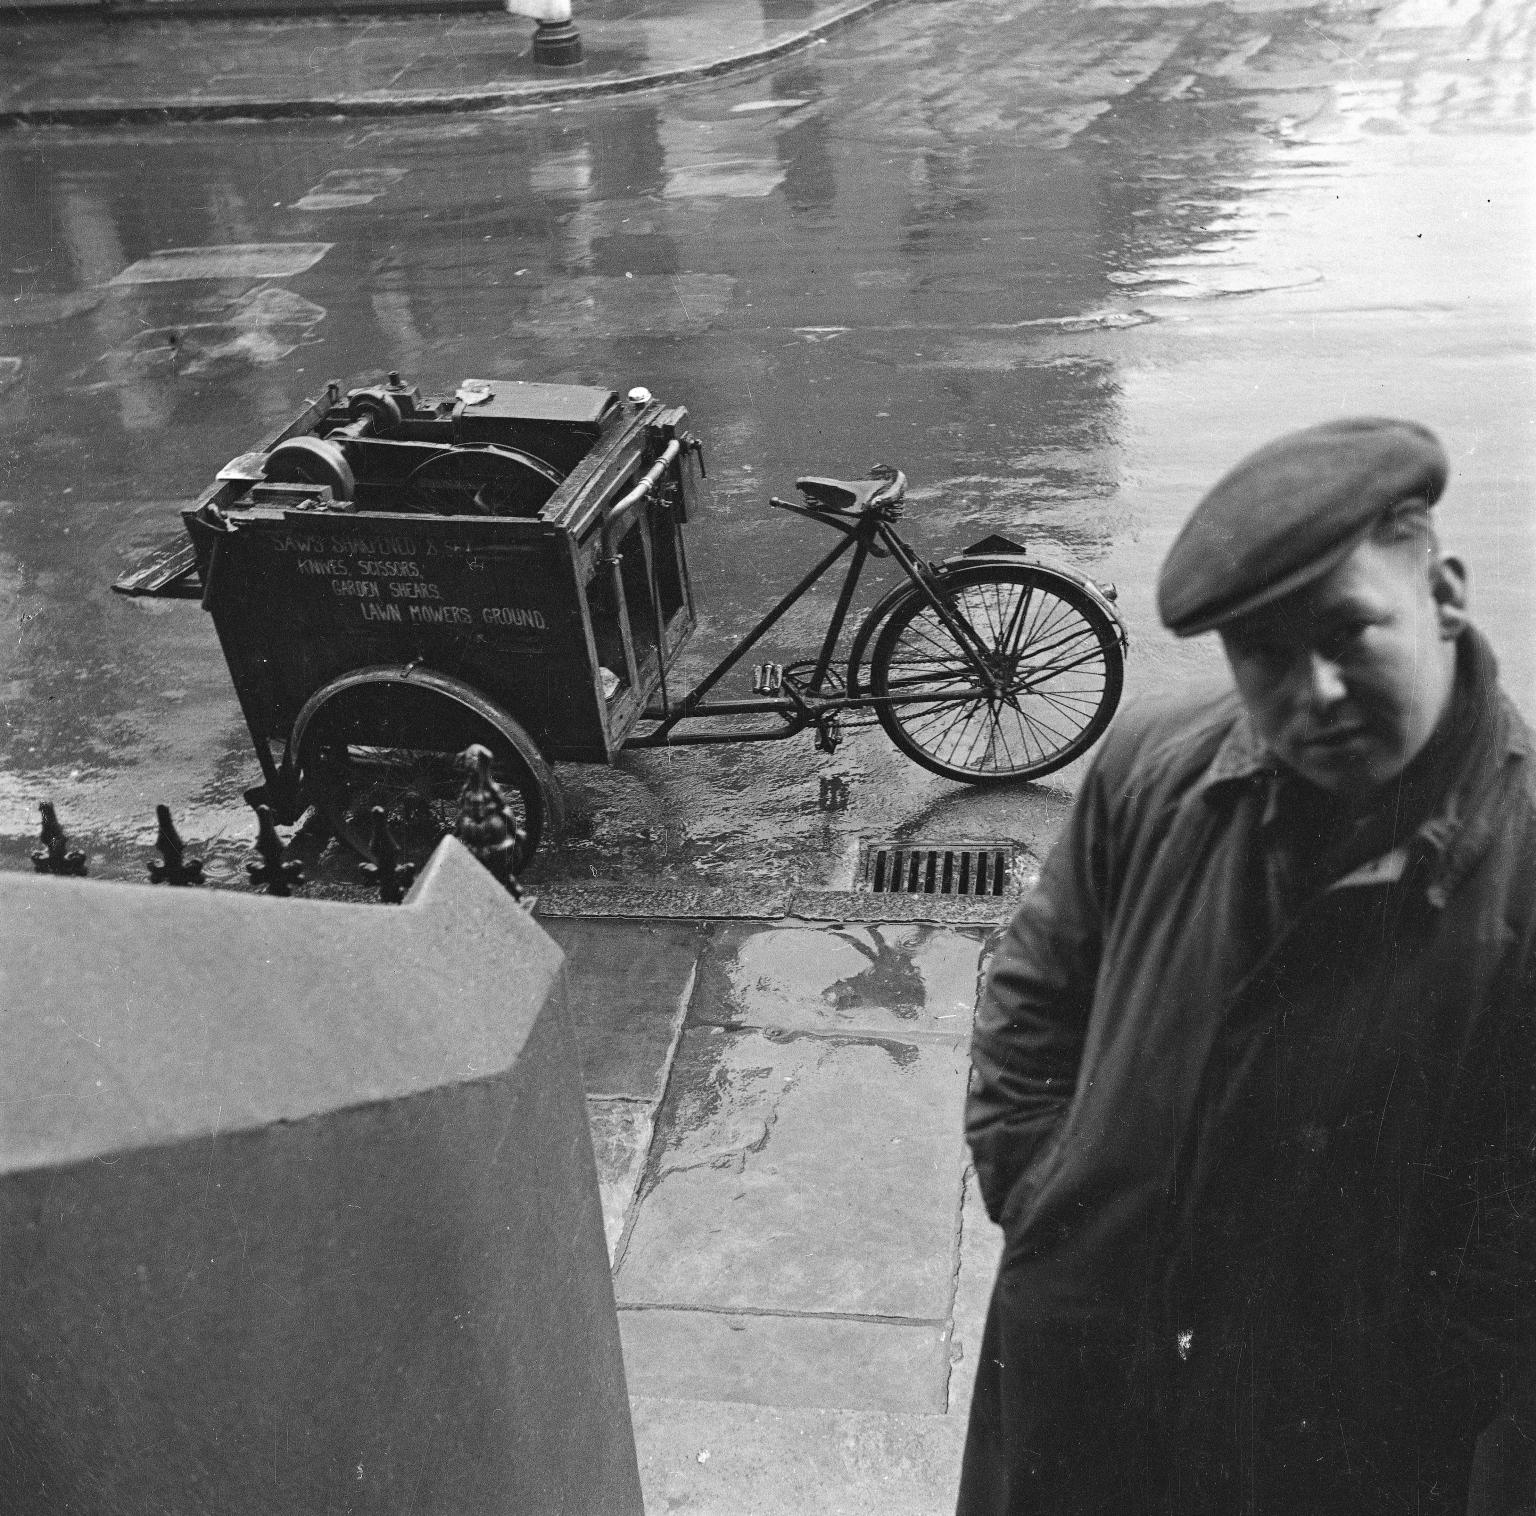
pixel 301 598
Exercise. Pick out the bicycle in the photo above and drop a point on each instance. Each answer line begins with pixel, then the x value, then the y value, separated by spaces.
pixel 989 667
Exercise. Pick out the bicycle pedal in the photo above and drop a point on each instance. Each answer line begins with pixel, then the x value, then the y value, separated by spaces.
pixel 829 734
pixel 768 679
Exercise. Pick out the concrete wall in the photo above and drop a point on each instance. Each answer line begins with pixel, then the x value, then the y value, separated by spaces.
pixel 298 1210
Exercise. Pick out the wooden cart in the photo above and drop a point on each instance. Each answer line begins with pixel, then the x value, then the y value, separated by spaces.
pixel 392 579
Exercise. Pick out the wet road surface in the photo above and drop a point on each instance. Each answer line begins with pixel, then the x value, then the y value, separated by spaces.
pixel 1061 264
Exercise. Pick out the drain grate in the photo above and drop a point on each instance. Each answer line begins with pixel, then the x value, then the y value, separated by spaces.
pixel 920 868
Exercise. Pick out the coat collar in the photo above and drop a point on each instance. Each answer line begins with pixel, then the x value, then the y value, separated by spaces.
pixel 1458 831
pixel 1242 757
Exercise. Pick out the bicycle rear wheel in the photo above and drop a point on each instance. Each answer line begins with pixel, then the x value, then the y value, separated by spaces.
pixel 1053 652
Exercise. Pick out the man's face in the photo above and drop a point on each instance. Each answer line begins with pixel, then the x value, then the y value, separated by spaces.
pixel 1347 678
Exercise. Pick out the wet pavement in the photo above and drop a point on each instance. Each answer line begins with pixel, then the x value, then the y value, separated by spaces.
pixel 1061 264
pixel 80 70
pixel 801 1262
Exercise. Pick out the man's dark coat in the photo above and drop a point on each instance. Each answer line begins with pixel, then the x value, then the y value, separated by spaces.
pixel 1263 1146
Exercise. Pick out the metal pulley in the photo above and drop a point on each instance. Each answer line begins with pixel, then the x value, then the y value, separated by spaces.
pixel 371 412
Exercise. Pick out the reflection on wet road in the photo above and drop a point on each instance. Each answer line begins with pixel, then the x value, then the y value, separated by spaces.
pixel 1062 265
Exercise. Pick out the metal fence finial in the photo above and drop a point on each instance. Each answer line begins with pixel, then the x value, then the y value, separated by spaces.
pixel 55 856
pixel 387 873
pixel 174 866
pixel 271 871
pixel 486 826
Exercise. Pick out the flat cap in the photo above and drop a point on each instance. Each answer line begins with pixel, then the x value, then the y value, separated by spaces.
pixel 1289 513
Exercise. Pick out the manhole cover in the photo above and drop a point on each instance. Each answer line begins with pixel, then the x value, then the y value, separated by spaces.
pixel 925 868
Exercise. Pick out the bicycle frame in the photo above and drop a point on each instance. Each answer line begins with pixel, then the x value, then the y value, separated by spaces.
pixel 810 705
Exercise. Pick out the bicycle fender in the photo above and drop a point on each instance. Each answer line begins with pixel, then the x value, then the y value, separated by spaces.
pixel 1048 568
pixel 1051 569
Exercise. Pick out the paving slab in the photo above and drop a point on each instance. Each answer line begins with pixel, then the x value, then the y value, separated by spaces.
pixel 888 979
pixel 831 1363
pixel 981 1248
pixel 629 984
pixel 803 1173
pixel 728 1459
pixel 621 1138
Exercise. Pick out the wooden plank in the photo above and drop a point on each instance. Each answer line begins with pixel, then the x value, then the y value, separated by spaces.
pixel 168 571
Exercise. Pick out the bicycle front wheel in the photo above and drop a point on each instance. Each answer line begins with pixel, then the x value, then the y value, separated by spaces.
pixel 1035 692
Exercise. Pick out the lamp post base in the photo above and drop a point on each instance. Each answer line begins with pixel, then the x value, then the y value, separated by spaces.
pixel 556 44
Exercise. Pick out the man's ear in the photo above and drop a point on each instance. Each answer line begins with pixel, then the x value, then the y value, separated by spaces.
pixel 1448 585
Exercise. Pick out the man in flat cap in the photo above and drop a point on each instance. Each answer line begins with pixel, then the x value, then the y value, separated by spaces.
pixel 1254 1088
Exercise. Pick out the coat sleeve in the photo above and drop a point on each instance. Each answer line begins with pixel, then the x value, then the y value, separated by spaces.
pixel 1033 1014
pixel 1500 1265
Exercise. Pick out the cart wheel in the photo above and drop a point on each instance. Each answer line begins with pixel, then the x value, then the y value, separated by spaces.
pixel 311 460
pixel 484 479
pixel 1056 657
pixel 391 737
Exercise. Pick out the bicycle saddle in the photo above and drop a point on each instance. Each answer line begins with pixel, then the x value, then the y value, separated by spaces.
pixel 850 496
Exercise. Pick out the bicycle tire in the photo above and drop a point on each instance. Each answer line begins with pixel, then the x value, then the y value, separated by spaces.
pixel 1055 651
pixel 346 774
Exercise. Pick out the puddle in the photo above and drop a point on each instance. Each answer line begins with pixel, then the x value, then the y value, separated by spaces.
pixel 681 304
pixel 1088 321
pixel 343 188
pixel 1212 283
pixel 748 106
pixel 736 179
pixel 881 979
pixel 567 173
pixel 43 310
pixel 260 329
pixel 240 260
pixel 324 201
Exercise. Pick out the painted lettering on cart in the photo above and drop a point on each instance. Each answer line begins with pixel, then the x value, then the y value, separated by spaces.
pixel 449 615
pixel 513 615
pixel 411 580
pixel 389 568
pixel 355 547
pixel 443 615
